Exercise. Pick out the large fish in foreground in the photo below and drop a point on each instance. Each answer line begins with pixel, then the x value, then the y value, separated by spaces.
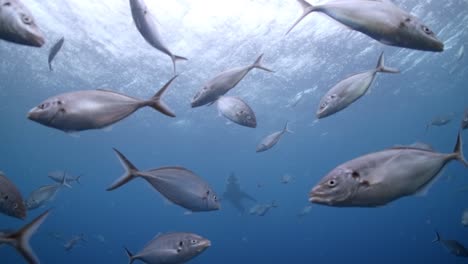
pixel 54 50
pixel 269 141
pixel 20 239
pixel 379 178
pixel 177 184
pixel 455 247
pixel 17 25
pixel 146 25
pixel 171 248
pixel 379 19
pixel 224 82
pixel 350 89
pixel 11 201
pixel 93 109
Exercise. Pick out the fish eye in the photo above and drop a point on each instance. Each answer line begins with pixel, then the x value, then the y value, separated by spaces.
pixel 43 106
pixel 5 197
pixel 15 206
pixel 181 243
pixel 427 30
pixel 215 198
pixel 332 96
pixel 331 183
pixel 26 19
pixel 193 241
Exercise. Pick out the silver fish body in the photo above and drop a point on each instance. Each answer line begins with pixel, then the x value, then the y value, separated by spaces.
pixel 269 141
pixel 41 196
pixel 379 178
pixel 453 246
pixel 17 24
pixel 54 50
pixel 171 248
pixel 262 209
pixel 11 201
pixel 224 82
pixel 57 176
pixel 147 27
pixel 305 211
pixel 70 244
pixel 235 195
pixel 236 110
pixel 349 90
pixel 379 19
pixel 177 184
pixel 92 109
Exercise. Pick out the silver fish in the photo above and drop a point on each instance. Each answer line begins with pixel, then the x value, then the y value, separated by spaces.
pixel 305 211
pixel 464 219
pixel 146 25
pixel 21 238
pixel 236 110
pixel 262 209
pixel 54 50
pixel 17 25
pixel 455 247
pixel 235 195
pixel 379 19
pixel 464 123
pixel 57 176
pixel 70 244
pixel 224 82
pixel 44 194
pixel 171 248
pixel 350 89
pixel 177 184
pixel 269 141
pixel 11 201
pixel 286 178
pixel 439 121
pixel 379 178
pixel 93 109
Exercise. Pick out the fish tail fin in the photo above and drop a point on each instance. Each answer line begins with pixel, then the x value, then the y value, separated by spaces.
pixel 77 179
pixel 382 68
pixel 64 181
pixel 306 9
pixel 258 64
pixel 286 128
pixel 437 238
pixel 130 173
pixel 458 150
pixel 129 255
pixel 174 59
pixel 22 237
pixel 156 102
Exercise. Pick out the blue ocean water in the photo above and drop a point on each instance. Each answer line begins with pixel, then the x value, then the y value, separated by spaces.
pixel 103 50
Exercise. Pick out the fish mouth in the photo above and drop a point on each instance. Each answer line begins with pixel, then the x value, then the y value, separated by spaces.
pixel 30 114
pixel 439 47
pixel 204 244
pixel 38 41
pixel 318 197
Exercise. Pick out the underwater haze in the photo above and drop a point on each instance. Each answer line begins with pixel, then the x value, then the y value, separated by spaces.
pixel 104 50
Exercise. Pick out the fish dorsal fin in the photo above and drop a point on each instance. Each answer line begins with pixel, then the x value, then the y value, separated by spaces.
pixel 416 145
pixel 107 91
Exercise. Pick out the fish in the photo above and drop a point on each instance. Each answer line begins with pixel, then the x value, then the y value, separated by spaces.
pixel 460 53
pixel 455 247
pixel 236 110
pixel 379 178
pixel 464 219
pixel 305 211
pixel 21 238
pixel 262 209
pixel 54 50
pixel 11 200
pixel 57 176
pixel 286 178
pixel 439 121
pixel 235 195
pixel 17 25
pixel 381 20
pixel 171 248
pixel 224 82
pixel 70 244
pixel 464 123
pixel 269 141
pixel 179 185
pixel 93 109
pixel 347 91
pixel 145 23
pixel 44 194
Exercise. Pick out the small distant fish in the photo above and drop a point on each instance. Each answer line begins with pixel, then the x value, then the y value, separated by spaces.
pixel 305 211
pixel 72 242
pixel 300 96
pixel 177 184
pixel 460 53
pixel 392 26
pixel 17 25
pixel 235 195
pixel 464 220
pixel 464 123
pixel 54 50
pixel 11 201
pixel 236 110
pixel 56 235
pixel 269 141
pixel 57 176
pixel 44 194
pixel 262 209
pixel 455 247
pixel 347 91
pixel 439 121
pixel 286 178
pixel 224 82
pixel 146 25
pixel 21 238
pixel 171 248
pixel 93 109
pixel 381 177
pixel 100 238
